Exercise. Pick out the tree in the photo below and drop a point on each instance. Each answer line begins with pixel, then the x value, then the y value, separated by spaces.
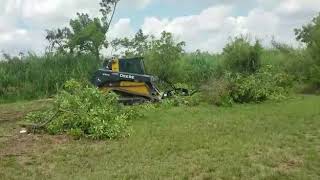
pixel 310 35
pixel 134 47
pixel 163 57
pixel 85 34
pixel 108 9
pixel 88 34
pixel 58 39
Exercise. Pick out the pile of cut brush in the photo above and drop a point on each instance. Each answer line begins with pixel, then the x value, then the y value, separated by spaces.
pixel 83 111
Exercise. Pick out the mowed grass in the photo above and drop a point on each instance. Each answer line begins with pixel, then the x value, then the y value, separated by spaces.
pixel 264 141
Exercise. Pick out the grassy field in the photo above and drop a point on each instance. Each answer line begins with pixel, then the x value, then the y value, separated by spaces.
pixel 266 141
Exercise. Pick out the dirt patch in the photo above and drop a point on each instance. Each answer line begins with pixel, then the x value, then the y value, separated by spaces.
pixel 11 116
pixel 21 145
pixel 16 112
pixel 289 165
pixel 15 144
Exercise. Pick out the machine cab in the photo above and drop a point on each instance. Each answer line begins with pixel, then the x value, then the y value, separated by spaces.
pixel 132 65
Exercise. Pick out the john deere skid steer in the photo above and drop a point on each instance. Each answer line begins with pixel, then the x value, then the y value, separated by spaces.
pixel 127 78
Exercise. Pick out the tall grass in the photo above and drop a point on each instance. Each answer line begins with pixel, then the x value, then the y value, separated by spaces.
pixel 38 77
pixel 295 62
pixel 199 67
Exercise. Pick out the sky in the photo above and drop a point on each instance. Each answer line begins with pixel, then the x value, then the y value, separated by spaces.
pixel 203 24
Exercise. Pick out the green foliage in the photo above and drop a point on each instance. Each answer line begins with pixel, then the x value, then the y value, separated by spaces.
pixel 39 77
pixel 163 57
pixel 181 100
pixel 315 75
pixel 199 67
pixel 238 88
pixel 283 58
pixel 264 85
pixel 254 72
pixel 242 57
pixel 310 35
pixel 135 47
pixel 88 34
pixel 242 77
pixel 83 111
pixel 193 100
pixel 217 92
pixel 108 9
pixel 85 34
pixel 266 141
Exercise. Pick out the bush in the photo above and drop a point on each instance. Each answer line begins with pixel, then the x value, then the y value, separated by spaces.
pixel 310 35
pixel 242 57
pixel 163 56
pixel 264 85
pixel 239 88
pixel 315 76
pixel 83 111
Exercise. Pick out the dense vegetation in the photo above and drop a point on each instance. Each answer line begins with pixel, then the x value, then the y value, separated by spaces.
pixel 179 137
pixel 242 66
pixel 244 72
pixel 35 77
pixel 82 111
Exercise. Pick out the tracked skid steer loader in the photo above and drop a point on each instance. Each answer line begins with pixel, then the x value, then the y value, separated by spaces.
pixel 127 78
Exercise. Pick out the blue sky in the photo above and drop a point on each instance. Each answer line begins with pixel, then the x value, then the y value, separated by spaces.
pixel 174 8
pixel 203 24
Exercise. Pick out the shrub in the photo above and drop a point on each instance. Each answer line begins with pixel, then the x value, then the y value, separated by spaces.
pixel 85 111
pixel 163 56
pixel 264 85
pixel 242 57
pixel 310 35
pixel 239 88
pixel 315 76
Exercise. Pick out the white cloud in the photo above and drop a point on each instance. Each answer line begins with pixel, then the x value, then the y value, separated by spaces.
pixel 133 4
pixel 121 29
pixel 211 29
pixel 22 22
pixel 9 36
pixel 34 8
pixel 48 12
pixel 295 7
pixel 208 30
pixel 259 23
pixel 21 40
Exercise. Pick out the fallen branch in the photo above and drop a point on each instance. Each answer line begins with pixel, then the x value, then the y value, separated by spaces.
pixel 2 136
pixel 33 127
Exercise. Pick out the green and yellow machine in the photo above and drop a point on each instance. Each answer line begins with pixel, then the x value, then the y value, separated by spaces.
pixel 128 79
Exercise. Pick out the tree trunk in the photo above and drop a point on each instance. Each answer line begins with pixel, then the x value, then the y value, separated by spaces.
pixel 96 52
